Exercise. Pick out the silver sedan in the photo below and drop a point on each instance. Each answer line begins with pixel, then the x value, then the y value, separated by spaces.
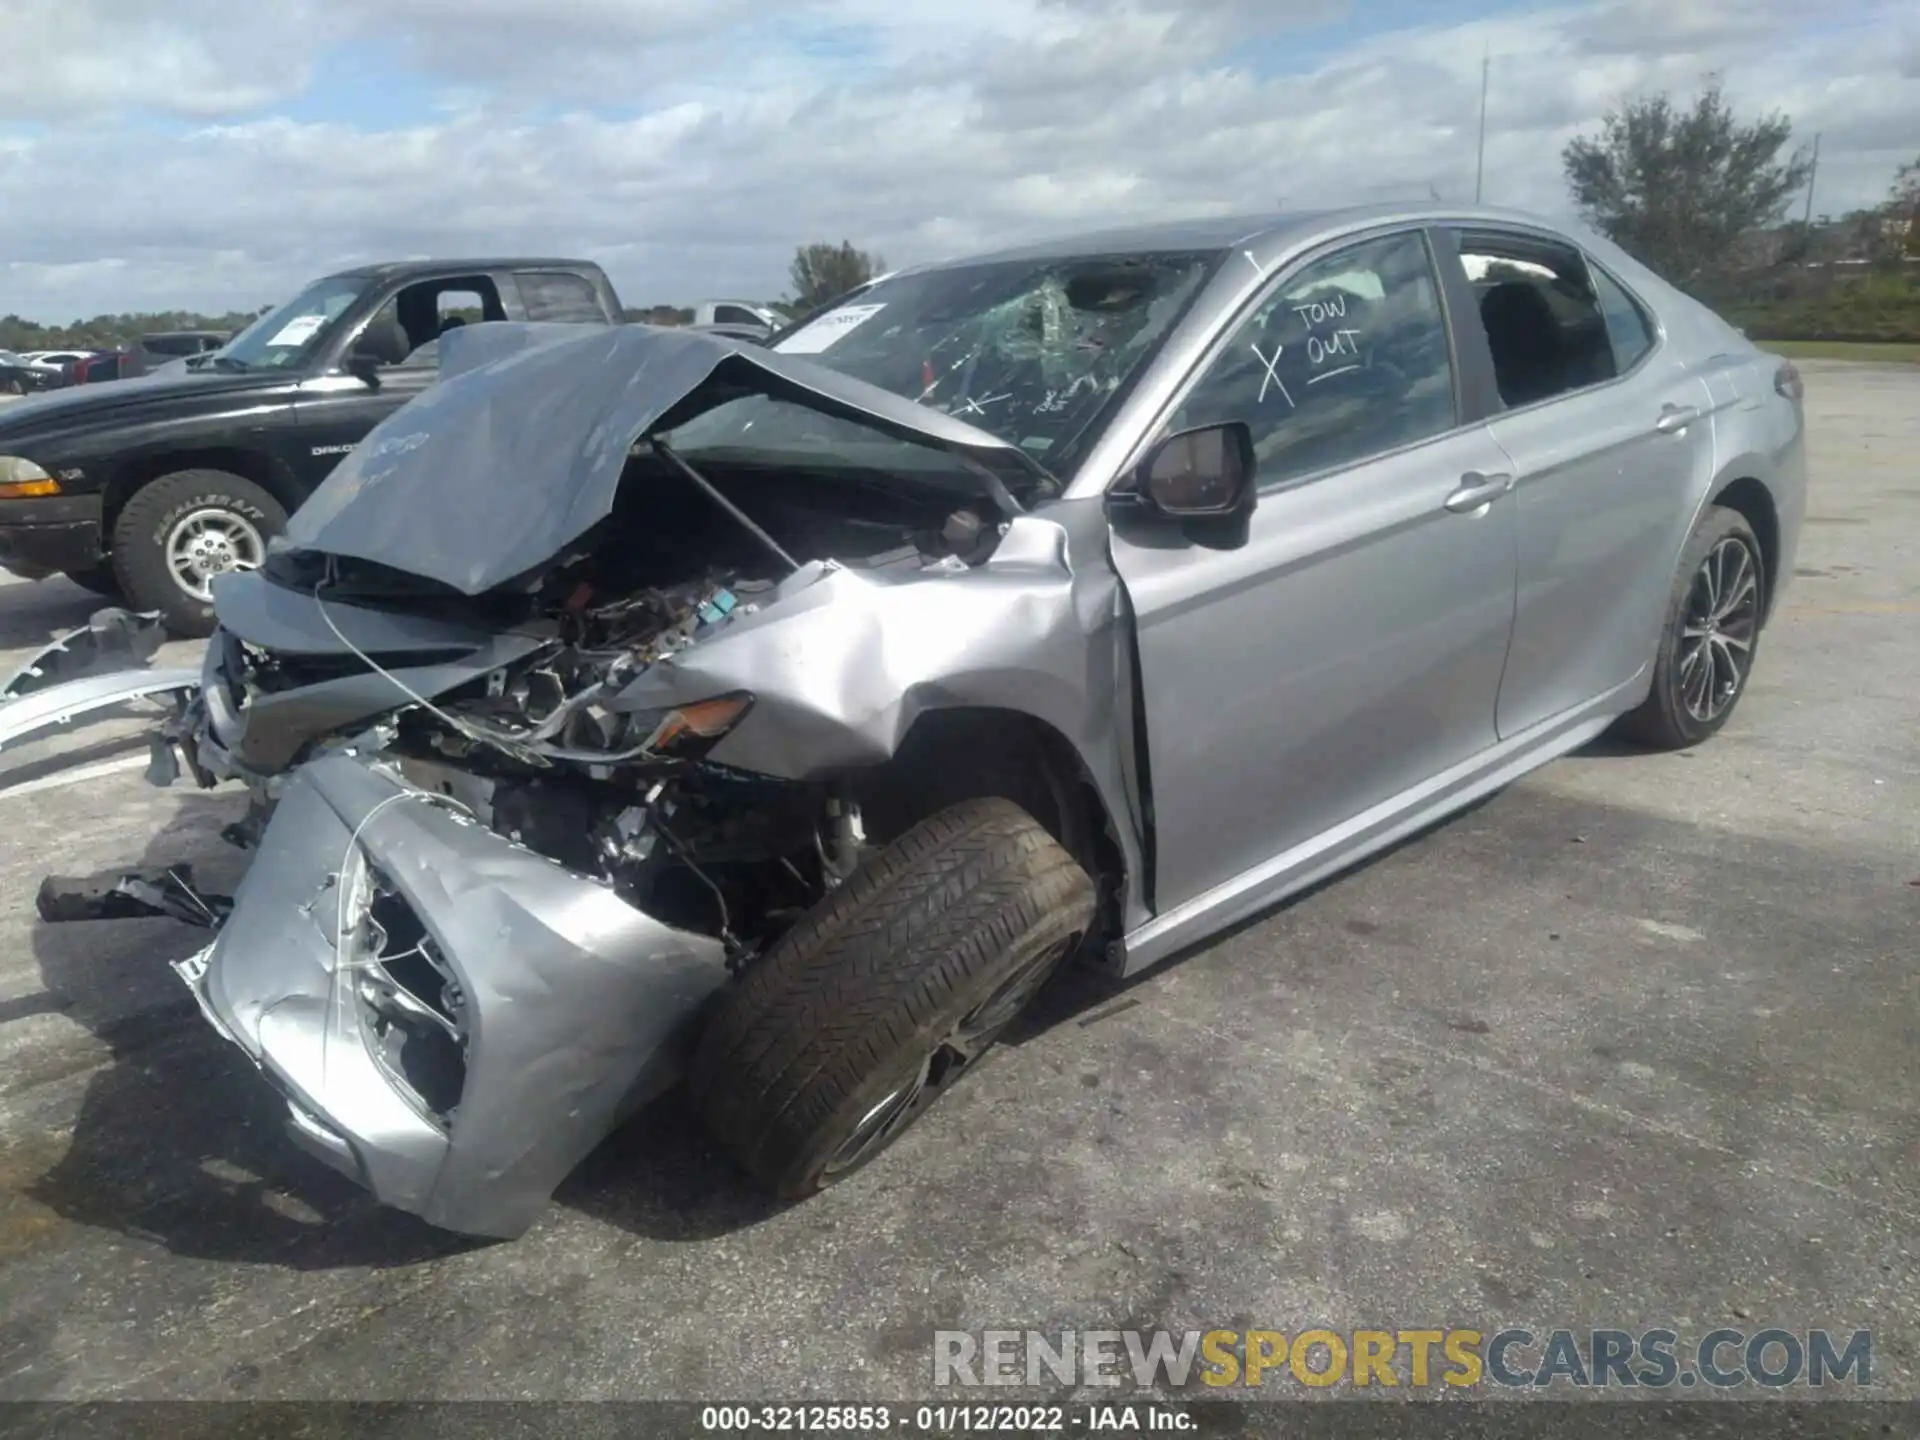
pixel 641 703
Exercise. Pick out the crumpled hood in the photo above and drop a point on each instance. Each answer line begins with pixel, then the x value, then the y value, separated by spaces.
pixel 519 449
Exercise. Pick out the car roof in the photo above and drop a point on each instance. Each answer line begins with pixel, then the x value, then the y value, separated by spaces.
pixel 1255 231
pixel 389 269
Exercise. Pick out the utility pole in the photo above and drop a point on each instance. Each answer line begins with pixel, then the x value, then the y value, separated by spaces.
pixel 1813 174
pixel 1480 159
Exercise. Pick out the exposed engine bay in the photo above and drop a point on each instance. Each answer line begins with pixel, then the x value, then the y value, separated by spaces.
pixel 575 706
pixel 552 753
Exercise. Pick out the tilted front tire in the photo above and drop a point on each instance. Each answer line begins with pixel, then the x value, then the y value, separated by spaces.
pixel 180 530
pixel 886 993
pixel 1710 637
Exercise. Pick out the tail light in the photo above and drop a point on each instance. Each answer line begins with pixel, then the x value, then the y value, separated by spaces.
pixel 1787 381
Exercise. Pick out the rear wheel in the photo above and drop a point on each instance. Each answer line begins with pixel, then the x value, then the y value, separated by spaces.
pixel 887 994
pixel 1711 636
pixel 180 531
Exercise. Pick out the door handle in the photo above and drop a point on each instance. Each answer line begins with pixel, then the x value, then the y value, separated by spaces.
pixel 1477 490
pixel 1675 418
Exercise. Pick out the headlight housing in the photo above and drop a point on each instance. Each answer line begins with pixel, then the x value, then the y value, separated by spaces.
pixel 21 479
pixel 686 732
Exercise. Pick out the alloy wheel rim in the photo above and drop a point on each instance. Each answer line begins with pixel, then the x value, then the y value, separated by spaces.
pixel 208 542
pixel 1718 628
pixel 950 1057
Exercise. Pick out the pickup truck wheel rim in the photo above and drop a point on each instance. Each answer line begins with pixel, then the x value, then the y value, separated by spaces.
pixel 209 542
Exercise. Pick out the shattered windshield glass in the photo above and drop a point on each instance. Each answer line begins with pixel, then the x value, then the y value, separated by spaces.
pixel 1033 351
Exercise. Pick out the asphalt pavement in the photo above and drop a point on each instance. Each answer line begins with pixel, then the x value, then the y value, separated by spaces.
pixel 1633 1043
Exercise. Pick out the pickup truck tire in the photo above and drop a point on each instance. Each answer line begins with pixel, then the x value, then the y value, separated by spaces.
pixel 205 516
pixel 886 993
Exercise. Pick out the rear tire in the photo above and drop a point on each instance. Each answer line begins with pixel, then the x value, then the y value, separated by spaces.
pixel 886 993
pixel 1710 639
pixel 167 518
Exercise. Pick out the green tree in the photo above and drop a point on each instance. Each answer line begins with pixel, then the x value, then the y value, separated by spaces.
pixel 822 271
pixel 1678 187
pixel 1903 208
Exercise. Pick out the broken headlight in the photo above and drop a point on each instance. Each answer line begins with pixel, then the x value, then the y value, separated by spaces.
pixel 687 732
pixel 412 1008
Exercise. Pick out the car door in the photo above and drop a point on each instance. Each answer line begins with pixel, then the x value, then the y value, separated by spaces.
pixel 1605 430
pixel 334 411
pixel 1347 643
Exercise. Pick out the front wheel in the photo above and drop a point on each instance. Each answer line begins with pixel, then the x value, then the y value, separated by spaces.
pixel 888 992
pixel 1711 636
pixel 180 531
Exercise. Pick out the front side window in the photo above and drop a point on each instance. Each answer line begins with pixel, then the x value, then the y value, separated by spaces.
pixel 1345 359
pixel 1629 331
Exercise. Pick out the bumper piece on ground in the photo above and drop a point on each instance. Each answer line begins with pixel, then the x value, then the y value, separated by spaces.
pixel 454 1020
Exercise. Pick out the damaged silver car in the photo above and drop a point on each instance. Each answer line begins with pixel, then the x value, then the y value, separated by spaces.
pixel 637 704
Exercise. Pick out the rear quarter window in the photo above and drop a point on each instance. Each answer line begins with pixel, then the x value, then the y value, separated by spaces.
pixel 550 295
pixel 1629 327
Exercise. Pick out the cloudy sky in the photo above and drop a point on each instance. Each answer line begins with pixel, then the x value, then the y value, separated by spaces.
pixel 208 153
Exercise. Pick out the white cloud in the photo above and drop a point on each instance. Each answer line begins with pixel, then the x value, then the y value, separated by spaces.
pixel 917 130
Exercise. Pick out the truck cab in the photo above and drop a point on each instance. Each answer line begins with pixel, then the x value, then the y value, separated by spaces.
pixel 149 488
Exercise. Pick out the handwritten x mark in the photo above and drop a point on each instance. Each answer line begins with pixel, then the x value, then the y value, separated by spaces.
pixel 1273 375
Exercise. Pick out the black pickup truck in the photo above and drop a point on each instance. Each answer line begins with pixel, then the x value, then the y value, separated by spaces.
pixel 148 488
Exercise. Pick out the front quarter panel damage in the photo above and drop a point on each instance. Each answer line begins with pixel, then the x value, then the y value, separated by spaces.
pixel 841 670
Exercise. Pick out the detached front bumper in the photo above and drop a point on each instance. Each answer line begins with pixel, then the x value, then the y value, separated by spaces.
pixel 562 1005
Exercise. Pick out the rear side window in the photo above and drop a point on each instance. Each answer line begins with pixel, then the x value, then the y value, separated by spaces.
pixel 1629 329
pixel 1542 319
pixel 1346 359
pixel 549 295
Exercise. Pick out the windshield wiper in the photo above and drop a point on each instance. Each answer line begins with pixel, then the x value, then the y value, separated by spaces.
pixel 227 362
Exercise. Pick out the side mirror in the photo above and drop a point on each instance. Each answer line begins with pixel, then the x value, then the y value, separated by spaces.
pixel 1199 473
pixel 381 344
pixel 364 367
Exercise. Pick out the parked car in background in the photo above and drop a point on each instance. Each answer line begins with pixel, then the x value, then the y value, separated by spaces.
pixel 101 365
pixel 174 344
pixel 709 313
pixel 20 376
pixel 169 352
pixel 57 363
pixel 786 716
pixel 149 489
pixel 750 334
